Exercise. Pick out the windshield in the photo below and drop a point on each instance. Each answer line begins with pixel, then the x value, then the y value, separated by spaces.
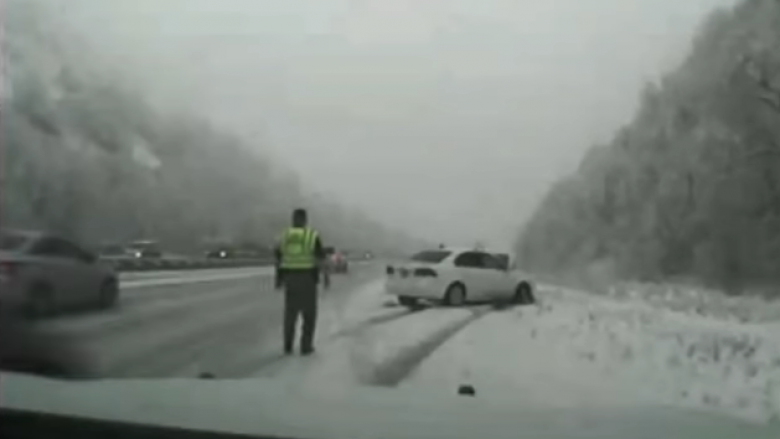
pixel 503 259
pixel 313 192
pixel 432 256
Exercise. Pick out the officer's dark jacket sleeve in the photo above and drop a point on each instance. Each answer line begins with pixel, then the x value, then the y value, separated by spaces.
pixel 319 250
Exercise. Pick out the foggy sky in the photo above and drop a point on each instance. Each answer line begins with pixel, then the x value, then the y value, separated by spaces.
pixel 448 118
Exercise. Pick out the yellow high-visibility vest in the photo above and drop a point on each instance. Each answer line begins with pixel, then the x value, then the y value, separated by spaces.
pixel 297 248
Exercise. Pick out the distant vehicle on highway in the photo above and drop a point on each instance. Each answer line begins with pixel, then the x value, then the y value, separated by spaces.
pixel 336 260
pixel 144 249
pixel 221 253
pixel 41 274
pixel 238 251
pixel 456 276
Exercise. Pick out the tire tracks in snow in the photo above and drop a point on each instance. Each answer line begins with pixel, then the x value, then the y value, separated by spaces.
pixel 392 372
pixel 358 327
pixel 389 372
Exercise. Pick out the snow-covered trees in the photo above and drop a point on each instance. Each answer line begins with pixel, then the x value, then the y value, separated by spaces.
pixel 692 185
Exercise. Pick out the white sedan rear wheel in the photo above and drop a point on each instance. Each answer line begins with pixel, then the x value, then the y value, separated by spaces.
pixel 455 296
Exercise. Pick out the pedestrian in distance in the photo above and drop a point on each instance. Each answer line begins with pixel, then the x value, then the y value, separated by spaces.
pixel 299 260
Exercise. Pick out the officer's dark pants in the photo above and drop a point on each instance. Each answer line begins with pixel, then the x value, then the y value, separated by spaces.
pixel 300 298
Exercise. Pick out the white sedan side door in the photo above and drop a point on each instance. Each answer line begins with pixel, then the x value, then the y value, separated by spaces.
pixel 471 269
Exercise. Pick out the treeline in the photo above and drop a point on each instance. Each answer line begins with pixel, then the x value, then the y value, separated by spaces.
pixel 691 187
pixel 86 156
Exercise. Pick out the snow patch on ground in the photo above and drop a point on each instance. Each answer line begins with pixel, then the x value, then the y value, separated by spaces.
pixel 580 349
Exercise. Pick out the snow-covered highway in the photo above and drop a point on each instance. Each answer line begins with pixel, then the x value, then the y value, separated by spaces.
pixel 666 347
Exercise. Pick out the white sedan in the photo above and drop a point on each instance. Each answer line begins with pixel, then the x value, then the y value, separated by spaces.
pixel 457 276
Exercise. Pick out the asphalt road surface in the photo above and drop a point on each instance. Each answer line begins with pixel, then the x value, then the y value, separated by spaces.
pixel 184 324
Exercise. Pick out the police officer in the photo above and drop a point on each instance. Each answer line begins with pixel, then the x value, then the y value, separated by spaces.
pixel 299 256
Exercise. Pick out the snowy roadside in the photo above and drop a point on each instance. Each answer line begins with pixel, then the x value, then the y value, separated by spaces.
pixel 703 301
pixel 684 296
pixel 575 349
pixel 582 350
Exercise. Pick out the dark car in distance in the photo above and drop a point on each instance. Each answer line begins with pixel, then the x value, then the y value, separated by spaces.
pixel 221 253
pixel 145 250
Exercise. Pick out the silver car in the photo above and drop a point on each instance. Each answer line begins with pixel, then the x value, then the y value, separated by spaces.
pixel 41 274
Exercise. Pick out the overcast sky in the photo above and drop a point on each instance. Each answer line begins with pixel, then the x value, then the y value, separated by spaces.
pixel 448 118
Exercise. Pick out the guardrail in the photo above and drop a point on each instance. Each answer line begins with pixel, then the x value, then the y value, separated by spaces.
pixel 161 264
